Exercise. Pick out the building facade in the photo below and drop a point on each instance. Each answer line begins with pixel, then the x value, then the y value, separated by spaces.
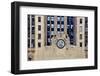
pixel 52 36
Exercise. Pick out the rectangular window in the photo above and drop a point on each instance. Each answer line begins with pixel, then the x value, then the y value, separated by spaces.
pixel 80 28
pixel 39 44
pixel 48 28
pixel 80 44
pixel 33 43
pixel 58 22
pixel 39 36
pixel 48 18
pixel 33 30
pixel 80 21
pixel 52 29
pixel 58 18
pixel 62 18
pixel 39 27
pixel 80 36
pixel 39 19
pixel 62 29
pixel 52 18
pixel 58 29
pixel 62 22
pixel 48 22
pixel 28 43
pixel 58 26
pixel 52 22
pixel 52 25
pixel 28 20
pixel 32 20
pixel 28 31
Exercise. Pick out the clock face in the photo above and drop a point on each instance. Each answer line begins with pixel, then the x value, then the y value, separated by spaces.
pixel 60 43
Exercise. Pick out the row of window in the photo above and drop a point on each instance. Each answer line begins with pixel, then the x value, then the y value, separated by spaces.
pixel 31 31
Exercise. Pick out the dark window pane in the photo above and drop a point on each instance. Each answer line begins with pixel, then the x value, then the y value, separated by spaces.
pixel 52 22
pixel 70 20
pixel 39 27
pixel 62 22
pixel 58 22
pixel 39 36
pixel 48 22
pixel 52 29
pixel 58 29
pixel 80 44
pixel 39 44
pixel 48 36
pixel 62 29
pixel 33 30
pixel 32 21
pixel 39 19
pixel 28 43
pixel 48 43
pixel 48 28
pixel 28 31
pixel 33 43
pixel 51 36
pixel 80 21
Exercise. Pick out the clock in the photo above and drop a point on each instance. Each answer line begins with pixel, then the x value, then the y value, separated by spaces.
pixel 60 43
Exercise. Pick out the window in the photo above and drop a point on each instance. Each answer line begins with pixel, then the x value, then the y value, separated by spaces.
pixel 62 22
pixel 33 30
pixel 39 44
pixel 62 18
pixel 52 18
pixel 62 29
pixel 80 28
pixel 51 36
pixel 32 20
pixel 52 25
pixel 52 22
pixel 62 26
pixel 58 22
pixel 80 36
pixel 48 22
pixel 49 40
pixel 28 31
pixel 58 18
pixel 52 32
pixel 58 29
pixel 80 44
pixel 48 18
pixel 70 20
pixel 39 27
pixel 39 36
pixel 48 28
pixel 52 29
pixel 28 20
pixel 39 19
pixel 80 21
pixel 33 43
pixel 28 43
pixel 58 26
pixel 48 36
